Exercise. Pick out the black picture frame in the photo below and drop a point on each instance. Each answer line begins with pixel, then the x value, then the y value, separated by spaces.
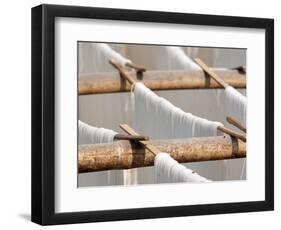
pixel 43 113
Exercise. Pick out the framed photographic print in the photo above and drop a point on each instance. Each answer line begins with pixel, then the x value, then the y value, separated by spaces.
pixel 142 114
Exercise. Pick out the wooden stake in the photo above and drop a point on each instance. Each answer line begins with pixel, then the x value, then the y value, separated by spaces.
pixel 130 137
pixel 137 68
pixel 123 72
pixel 210 72
pixel 230 132
pixel 146 144
pixel 236 123
pixel 241 69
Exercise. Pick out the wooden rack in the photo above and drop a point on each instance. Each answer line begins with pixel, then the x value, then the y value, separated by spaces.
pixel 137 151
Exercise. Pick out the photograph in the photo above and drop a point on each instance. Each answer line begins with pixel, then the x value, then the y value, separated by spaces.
pixel 140 114
pixel 157 114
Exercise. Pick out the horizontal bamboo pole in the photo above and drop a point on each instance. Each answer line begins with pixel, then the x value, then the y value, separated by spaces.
pixel 126 154
pixel 111 82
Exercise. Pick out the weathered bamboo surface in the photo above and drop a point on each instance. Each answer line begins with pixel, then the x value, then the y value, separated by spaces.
pixel 126 155
pixel 111 82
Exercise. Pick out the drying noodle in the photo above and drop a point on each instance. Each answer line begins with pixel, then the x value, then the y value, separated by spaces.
pixel 168 170
pixel 92 135
pixel 235 104
pixel 161 118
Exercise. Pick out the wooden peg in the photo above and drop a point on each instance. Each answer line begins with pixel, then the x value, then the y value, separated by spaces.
pixel 236 123
pixel 145 144
pixel 130 137
pixel 230 132
pixel 139 69
pixel 211 73
pixel 241 69
pixel 123 73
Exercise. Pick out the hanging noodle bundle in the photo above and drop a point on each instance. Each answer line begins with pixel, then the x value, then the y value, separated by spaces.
pixel 179 60
pixel 95 58
pixel 168 170
pixel 108 53
pixel 92 135
pixel 236 104
pixel 162 117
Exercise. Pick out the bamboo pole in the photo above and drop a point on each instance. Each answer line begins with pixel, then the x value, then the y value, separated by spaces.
pixel 158 80
pixel 126 154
